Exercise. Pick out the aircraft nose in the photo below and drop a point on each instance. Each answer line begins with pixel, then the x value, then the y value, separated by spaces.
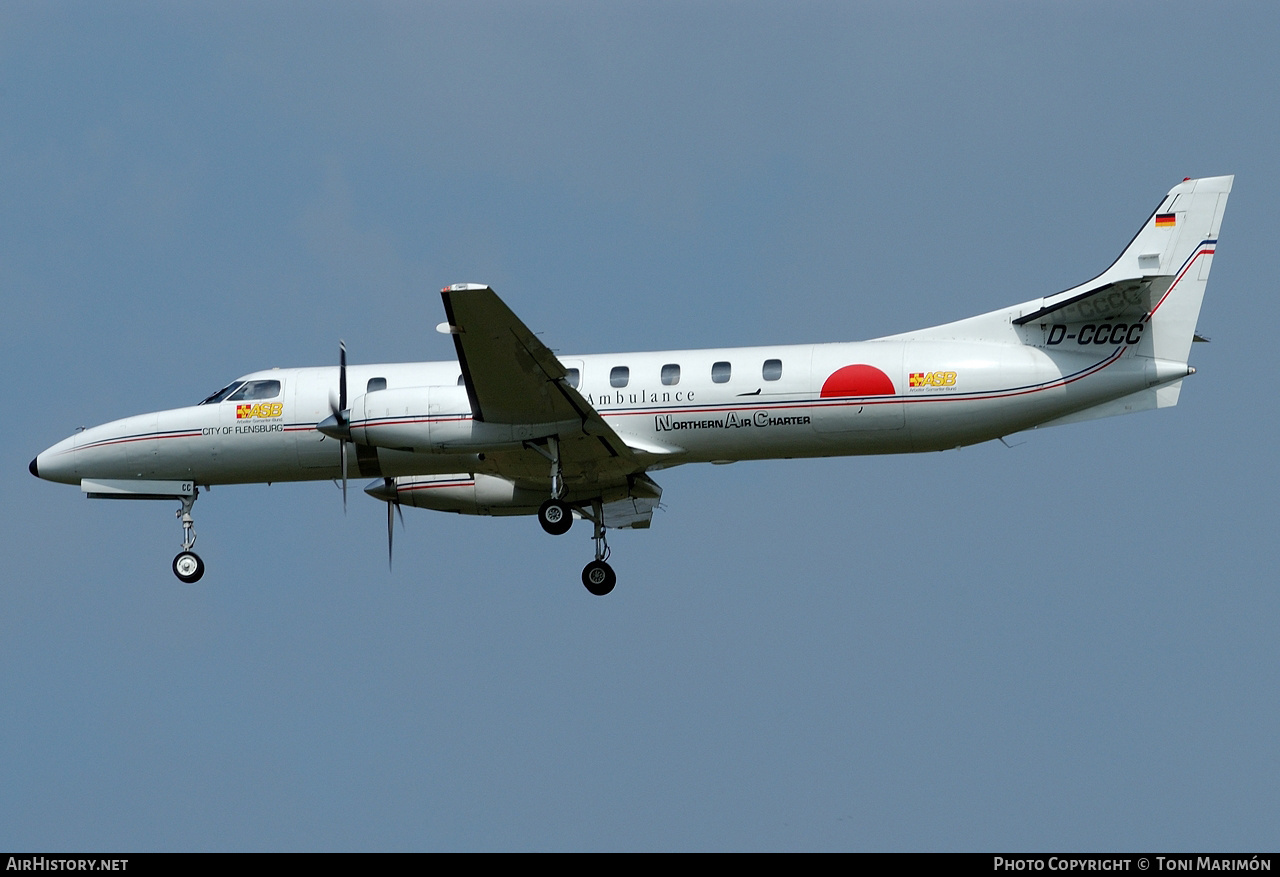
pixel 57 463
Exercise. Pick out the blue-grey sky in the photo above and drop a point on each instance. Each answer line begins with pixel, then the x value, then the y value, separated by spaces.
pixel 1067 644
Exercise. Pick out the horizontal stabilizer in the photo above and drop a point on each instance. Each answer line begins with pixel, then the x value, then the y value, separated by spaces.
pixel 1122 298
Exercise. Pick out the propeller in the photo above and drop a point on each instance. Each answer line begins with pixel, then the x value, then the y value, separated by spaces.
pixel 338 425
pixel 391 529
pixel 343 417
pixel 386 491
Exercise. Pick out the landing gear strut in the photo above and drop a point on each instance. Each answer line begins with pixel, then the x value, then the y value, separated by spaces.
pixel 554 515
pixel 188 566
pixel 598 577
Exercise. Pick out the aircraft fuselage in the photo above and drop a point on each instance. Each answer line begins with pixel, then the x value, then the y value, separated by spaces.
pixel 688 406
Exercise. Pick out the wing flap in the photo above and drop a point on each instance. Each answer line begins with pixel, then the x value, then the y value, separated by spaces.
pixel 634 513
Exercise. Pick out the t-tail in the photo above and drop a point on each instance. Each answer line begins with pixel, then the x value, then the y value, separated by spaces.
pixel 1145 305
pixel 1158 283
pixel 1159 278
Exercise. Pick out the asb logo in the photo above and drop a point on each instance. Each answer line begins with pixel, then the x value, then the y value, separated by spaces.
pixel 932 379
pixel 265 409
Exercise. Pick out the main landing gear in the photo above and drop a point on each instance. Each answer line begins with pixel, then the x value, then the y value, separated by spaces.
pixel 556 517
pixel 188 566
pixel 598 577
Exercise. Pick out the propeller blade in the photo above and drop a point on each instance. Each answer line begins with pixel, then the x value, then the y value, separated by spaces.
pixel 343 446
pixel 336 425
pixel 386 491
pixel 342 376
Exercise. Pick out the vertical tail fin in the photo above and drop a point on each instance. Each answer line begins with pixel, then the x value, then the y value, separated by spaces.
pixel 1149 299
pixel 1190 216
pixel 1159 279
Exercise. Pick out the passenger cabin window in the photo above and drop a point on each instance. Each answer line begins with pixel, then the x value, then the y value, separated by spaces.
pixel 772 369
pixel 671 374
pixel 619 375
pixel 573 376
pixel 720 372
pixel 460 381
pixel 375 384
pixel 221 394
pixel 255 390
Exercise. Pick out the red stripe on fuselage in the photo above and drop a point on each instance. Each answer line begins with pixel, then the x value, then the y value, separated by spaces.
pixel 412 487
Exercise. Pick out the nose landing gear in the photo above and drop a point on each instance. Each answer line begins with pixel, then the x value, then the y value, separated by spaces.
pixel 188 566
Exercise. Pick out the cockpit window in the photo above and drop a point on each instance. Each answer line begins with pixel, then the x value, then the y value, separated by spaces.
pixel 255 390
pixel 222 394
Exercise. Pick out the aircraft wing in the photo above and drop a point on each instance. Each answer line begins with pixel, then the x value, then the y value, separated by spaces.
pixel 512 377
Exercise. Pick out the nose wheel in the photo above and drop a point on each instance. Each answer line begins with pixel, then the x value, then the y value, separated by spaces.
pixel 188 566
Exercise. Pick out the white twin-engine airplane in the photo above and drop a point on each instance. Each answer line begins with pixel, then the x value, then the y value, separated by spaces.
pixel 513 429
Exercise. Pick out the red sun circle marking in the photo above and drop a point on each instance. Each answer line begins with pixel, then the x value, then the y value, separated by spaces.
pixel 858 380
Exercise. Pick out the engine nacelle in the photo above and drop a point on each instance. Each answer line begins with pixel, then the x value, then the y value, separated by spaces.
pixel 629 505
pixel 464 493
pixel 437 420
